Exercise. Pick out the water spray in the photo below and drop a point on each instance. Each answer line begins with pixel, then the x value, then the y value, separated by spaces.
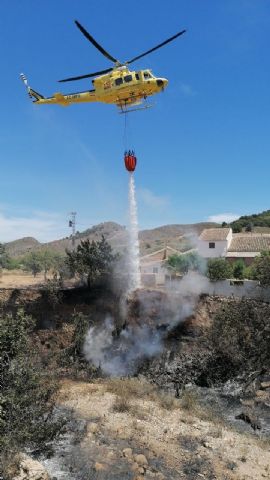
pixel 134 252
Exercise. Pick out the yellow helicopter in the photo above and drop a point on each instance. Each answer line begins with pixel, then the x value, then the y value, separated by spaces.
pixel 116 85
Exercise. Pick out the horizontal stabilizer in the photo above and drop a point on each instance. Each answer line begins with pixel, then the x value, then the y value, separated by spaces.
pixel 35 94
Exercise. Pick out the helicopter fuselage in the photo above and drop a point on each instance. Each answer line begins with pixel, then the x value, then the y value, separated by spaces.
pixel 120 87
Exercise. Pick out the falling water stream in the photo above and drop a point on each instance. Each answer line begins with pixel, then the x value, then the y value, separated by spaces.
pixel 59 464
pixel 134 253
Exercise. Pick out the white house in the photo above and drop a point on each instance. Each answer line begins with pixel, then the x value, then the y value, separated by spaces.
pixel 214 242
pixel 221 242
pixel 153 266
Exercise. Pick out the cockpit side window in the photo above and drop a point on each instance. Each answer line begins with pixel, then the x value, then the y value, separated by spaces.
pixel 128 78
pixel 147 75
pixel 118 81
pixel 137 76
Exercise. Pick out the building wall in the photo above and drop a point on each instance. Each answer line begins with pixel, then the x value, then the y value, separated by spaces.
pixel 220 249
pixel 155 268
pixel 247 288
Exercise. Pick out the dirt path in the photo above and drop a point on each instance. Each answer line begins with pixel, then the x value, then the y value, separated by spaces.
pixel 134 432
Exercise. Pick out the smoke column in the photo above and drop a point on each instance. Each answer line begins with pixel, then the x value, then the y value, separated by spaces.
pixel 134 253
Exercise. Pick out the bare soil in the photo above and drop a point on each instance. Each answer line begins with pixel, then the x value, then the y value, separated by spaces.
pixel 176 438
pixel 19 279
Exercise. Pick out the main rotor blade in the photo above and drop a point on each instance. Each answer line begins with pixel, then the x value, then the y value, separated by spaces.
pixel 95 43
pixel 88 75
pixel 158 46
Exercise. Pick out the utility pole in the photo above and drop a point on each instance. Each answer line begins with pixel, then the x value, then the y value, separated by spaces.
pixel 72 224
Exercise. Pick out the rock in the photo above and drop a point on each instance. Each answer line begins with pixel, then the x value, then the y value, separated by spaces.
pixel 134 467
pixel 31 470
pixel 260 393
pixel 141 459
pixel 265 385
pixel 92 428
pixel 127 452
pixel 100 467
pixel 262 396
pixel 141 470
pixel 160 476
pixel 249 418
pixel 247 402
pixel 150 474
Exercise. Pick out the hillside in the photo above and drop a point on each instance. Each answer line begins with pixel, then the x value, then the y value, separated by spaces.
pixel 176 236
pixel 22 246
pixel 260 222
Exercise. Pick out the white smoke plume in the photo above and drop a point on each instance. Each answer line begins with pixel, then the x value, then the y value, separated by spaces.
pixel 134 251
pixel 143 338
pixel 119 356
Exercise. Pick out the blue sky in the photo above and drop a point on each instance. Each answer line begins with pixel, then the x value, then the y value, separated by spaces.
pixel 204 148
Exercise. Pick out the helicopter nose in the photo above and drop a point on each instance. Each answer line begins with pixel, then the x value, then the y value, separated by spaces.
pixel 162 82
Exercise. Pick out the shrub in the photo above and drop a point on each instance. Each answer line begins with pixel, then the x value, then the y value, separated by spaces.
pixel 240 335
pixel 185 262
pixel 238 269
pixel 261 268
pixel 51 293
pixel 121 404
pixel 218 269
pixel 81 323
pixel 27 393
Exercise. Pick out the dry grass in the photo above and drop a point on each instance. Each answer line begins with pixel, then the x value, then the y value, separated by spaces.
pixel 138 412
pixel 188 442
pixel 18 278
pixel 121 405
pixel 167 401
pixel 136 389
pixel 130 387
pixel 216 431
pixel 189 401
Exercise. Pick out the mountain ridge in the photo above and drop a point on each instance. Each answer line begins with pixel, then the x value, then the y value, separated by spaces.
pixel 177 236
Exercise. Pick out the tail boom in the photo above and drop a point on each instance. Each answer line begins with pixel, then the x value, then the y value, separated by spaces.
pixel 64 100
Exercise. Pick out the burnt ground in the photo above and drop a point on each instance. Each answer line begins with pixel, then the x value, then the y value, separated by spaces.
pixel 234 406
pixel 126 429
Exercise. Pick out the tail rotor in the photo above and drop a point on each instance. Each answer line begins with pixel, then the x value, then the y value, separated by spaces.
pixel 24 80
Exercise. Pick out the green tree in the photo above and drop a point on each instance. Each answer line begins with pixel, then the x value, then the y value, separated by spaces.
pixel 218 269
pixel 91 260
pixel 27 393
pixel 43 261
pixel 249 227
pixel 50 260
pixel 237 228
pixel 261 268
pixel 239 269
pixel 4 257
pixel 185 262
pixel 32 263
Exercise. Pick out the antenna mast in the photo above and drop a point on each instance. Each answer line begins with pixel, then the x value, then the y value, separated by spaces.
pixel 72 224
